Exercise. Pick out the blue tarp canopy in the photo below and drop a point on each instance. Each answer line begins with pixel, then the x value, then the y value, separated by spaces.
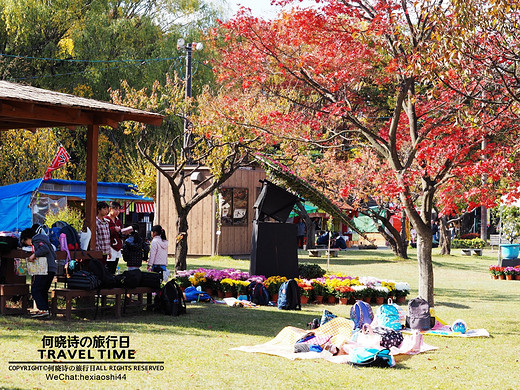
pixel 15 199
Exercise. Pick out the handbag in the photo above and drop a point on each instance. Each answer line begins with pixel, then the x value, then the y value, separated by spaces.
pixel 38 266
pixel 20 267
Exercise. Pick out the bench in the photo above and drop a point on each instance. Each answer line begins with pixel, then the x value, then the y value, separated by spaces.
pixel 8 291
pixel 117 293
pixel 471 251
pixel 495 240
pixel 333 252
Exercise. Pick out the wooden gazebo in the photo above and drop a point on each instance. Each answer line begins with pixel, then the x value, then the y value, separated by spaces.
pixel 25 107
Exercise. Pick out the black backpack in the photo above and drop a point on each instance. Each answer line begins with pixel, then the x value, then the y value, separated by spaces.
pixel 130 278
pixel 419 314
pixel 72 235
pixel 151 279
pixel 289 296
pixel 170 300
pixel 83 280
pixel 97 268
pixel 258 293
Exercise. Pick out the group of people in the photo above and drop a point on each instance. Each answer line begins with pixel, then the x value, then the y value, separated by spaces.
pixel 114 241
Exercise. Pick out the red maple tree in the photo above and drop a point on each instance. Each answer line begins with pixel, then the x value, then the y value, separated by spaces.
pixel 359 73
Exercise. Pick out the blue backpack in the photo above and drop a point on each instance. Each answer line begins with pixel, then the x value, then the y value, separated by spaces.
pixel 257 293
pixel 361 313
pixel 371 357
pixel 289 296
pixel 388 316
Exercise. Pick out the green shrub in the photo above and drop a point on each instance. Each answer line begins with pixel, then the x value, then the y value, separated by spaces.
pixel 310 271
pixel 70 215
pixel 475 243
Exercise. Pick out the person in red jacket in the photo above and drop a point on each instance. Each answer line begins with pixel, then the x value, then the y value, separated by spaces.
pixel 116 243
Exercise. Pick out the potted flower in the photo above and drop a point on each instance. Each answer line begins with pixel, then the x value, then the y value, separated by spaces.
pixel 241 286
pixel 509 272
pixel 402 289
pixel 500 272
pixel 306 291
pixel 228 286
pixel 183 279
pixel 344 293
pixel 360 291
pixel 198 279
pixel 319 289
pixel 517 273
pixel 510 220
pixel 273 284
pixel 381 294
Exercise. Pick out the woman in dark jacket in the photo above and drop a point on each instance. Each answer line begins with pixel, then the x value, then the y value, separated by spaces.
pixel 41 283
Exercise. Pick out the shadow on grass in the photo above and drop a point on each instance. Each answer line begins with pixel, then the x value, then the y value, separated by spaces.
pixel 463 294
pixel 201 319
pixel 461 266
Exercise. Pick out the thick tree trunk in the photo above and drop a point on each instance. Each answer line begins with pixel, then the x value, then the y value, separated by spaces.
pixel 393 237
pixel 424 260
pixel 445 237
pixel 181 246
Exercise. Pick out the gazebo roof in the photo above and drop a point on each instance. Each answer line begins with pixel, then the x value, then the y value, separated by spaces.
pixel 26 107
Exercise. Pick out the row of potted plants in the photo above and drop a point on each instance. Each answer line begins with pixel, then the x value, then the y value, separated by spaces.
pixel 232 282
pixel 506 273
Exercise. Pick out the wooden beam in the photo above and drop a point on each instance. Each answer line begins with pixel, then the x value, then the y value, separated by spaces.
pixel 91 182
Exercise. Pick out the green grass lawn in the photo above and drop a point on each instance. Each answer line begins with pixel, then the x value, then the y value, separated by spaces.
pixel 196 352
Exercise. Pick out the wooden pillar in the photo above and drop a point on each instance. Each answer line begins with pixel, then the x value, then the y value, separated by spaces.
pixel 91 181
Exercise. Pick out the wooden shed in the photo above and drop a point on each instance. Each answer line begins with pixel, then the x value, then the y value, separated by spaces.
pixel 234 202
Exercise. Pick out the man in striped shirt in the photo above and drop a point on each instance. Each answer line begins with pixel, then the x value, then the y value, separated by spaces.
pixel 102 231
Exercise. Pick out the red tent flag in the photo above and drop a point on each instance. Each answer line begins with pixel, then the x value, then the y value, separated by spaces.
pixel 59 160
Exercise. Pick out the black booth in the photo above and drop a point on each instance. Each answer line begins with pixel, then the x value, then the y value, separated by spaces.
pixel 274 249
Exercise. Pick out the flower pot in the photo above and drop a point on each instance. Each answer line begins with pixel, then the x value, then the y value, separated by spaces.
pixel 517 277
pixel 228 294
pixel 509 251
pixel 509 277
pixel 220 293
pixel 493 276
pixel 367 299
pixel 343 301
pixel 351 300
pixel 400 299
pixel 502 277
pixel 209 291
pixel 331 299
pixel 304 300
pixel 380 300
pixel 318 299
pixel 274 297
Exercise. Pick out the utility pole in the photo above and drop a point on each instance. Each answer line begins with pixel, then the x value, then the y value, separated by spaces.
pixel 189 47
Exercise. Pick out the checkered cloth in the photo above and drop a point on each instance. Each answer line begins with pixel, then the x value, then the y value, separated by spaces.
pixel 102 236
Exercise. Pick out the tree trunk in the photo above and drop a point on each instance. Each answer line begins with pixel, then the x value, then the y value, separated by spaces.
pixel 445 236
pixel 393 237
pixel 424 260
pixel 181 246
pixel 483 223
pixel 311 233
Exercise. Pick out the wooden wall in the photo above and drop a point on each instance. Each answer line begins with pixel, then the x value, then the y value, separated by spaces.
pixel 202 237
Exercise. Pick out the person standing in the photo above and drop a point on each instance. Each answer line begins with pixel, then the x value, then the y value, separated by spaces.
pixel 102 231
pixel 116 243
pixel 300 233
pixel 158 260
pixel 41 283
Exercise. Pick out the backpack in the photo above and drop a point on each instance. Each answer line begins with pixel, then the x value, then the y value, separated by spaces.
pixel 151 279
pixel 289 296
pixel 192 294
pixel 170 300
pixel 130 278
pixel 388 316
pixel 371 357
pixel 83 280
pixel 106 279
pixel 419 314
pixel 257 293
pixel 361 313
pixel 389 337
pixel 72 235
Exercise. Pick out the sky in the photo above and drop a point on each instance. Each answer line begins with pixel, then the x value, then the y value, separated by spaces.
pixel 259 8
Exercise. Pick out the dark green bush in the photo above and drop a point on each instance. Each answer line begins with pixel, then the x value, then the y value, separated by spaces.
pixel 310 271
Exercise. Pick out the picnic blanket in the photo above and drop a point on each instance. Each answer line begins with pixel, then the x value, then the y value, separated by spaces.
pixel 338 332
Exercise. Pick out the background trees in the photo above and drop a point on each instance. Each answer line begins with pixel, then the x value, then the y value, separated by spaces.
pixel 362 72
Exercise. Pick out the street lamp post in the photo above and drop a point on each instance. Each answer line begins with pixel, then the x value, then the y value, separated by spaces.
pixel 189 47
